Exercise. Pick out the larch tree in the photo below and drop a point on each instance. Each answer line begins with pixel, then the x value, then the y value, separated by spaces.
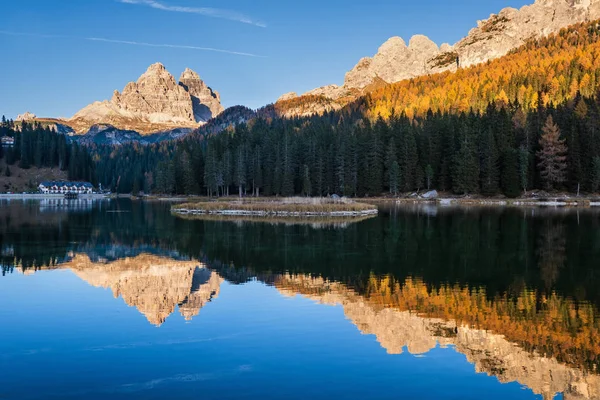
pixel 552 155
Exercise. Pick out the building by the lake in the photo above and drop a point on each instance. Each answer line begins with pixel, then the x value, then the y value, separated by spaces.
pixel 7 141
pixel 62 187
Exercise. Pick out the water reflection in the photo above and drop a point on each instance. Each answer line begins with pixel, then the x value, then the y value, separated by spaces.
pixel 546 344
pixel 512 290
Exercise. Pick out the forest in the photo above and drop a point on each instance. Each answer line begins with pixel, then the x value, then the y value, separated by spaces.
pixel 491 129
pixel 503 150
pixel 41 147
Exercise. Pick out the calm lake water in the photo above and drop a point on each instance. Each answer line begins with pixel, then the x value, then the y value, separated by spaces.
pixel 122 300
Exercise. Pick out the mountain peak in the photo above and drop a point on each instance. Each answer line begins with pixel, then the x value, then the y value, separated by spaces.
pixel 206 102
pixel 392 44
pixel 189 74
pixel 156 67
pixel 155 102
pixel 27 116
pixel 422 42
pixel 489 39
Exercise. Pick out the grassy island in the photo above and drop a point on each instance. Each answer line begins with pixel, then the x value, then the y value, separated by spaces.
pixel 287 207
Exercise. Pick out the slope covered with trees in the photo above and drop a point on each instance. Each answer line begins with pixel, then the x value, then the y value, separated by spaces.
pixel 549 70
pixel 36 146
pixel 526 121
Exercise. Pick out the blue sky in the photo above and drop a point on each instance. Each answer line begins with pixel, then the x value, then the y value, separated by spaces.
pixel 52 67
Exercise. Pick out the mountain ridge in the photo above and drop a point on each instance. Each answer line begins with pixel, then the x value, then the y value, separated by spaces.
pixel 155 102
pixel 492 38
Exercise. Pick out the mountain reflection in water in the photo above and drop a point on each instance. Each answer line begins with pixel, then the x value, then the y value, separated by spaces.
pixel 538 326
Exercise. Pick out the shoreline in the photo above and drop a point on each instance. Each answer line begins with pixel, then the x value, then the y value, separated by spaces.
pixel 542 201
pixel 558 202
pixel 246 213
pixel 42 196
pixel 285 207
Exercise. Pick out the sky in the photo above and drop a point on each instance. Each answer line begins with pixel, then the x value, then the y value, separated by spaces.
pixel 61 55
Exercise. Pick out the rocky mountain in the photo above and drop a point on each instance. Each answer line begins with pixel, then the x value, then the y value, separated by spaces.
pixel 109 135
pixel 492 38
pixel 206 103
pixel 27 116
pixel 155 102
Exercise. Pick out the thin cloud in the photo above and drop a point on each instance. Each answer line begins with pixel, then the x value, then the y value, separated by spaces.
pixel 173 46
pixel 133 43
pixel 207 11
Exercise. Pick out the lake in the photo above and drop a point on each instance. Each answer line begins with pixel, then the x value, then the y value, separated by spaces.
pixel 120 299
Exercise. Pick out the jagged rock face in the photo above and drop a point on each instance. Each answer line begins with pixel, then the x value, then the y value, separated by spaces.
pixel 393 62
pixel 152 284
pixel 154 103
pixel 288 96
pixel 492 38
pixel 27 116
pixel 496 36
pixel 206 103
pixel 156 96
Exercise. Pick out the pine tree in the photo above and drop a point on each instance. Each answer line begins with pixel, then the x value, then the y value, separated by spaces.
pixel 552 155
pixel 306 185
pixel 240 170
pixel 524 168
pixel 429 176
pixel 394 174
pixel 510 173
pixel 466 168
pixel 488 163
pixel 392 167
pixel 595 175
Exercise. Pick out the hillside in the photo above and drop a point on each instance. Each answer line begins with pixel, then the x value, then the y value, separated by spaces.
pixel 26 180
pixel 558 68
pixel 491 129
pixel 491 39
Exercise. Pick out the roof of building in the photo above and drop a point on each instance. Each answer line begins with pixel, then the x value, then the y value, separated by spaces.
pixel 66 183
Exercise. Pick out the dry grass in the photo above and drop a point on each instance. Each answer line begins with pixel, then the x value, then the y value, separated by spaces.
pixel 293 205
pixel 21 180
pixel 316 222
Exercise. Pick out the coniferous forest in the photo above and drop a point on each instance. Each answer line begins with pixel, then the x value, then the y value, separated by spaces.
pixel 527 121
pixel 41 147
pixel 500 151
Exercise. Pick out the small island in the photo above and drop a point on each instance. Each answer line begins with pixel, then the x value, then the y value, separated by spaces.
pixel 286 207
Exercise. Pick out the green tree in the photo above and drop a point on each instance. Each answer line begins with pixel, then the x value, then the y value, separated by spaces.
pixel 306 184
pixel 429 176
pixel 552 155
pixel 595 175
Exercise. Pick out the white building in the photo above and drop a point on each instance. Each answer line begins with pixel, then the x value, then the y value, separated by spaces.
pixel 61 187
pixel 7 141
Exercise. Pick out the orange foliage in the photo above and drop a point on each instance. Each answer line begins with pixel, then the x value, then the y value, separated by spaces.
pixel 557 67
pixel 548 324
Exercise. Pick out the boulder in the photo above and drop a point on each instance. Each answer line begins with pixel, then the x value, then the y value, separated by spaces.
pixel 432 194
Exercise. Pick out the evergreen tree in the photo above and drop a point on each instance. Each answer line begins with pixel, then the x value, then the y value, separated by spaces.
pixel 511 181
pixel 595 186
pixel 466 172
pixel 552 155
pixel 429 176
pixel 394 174
pixel 306 184
pixel 488 163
